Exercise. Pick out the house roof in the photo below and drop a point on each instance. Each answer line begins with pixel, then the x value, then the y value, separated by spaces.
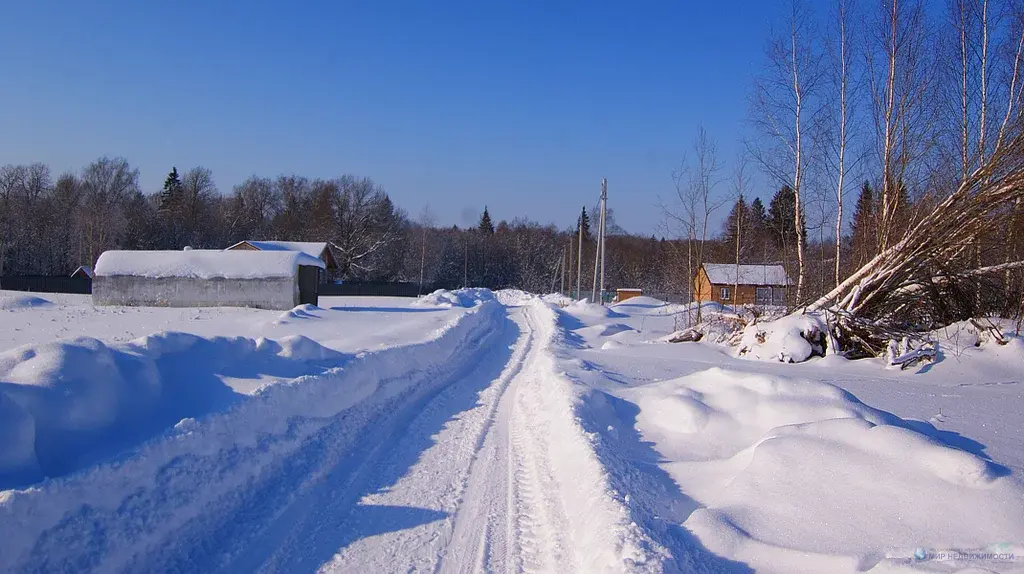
pixel 725 274
pixel 316 249
pixel 202 264
pixel 87 270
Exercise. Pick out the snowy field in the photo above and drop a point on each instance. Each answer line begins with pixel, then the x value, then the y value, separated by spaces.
pixel 471 431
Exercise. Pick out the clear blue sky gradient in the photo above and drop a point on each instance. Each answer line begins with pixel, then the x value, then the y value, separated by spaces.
pixel 518 105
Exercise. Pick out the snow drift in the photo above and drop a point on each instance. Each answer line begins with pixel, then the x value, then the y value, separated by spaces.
pixel 70 403
pixel 145 501
pixel 806 466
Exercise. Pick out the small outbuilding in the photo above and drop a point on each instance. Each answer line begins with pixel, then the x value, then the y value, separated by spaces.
pixel 319 249
pixel 623 293
pixel 83 272
pixel 732 284
pixel 200 278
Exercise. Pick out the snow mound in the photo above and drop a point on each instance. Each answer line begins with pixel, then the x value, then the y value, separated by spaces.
pixel 585 309
pixel 467 298
pixel 605 329
pixel 791 339
pixel 806 465
pixel 512 297
pixel 305 311
pixel 640 305
pixel 13 302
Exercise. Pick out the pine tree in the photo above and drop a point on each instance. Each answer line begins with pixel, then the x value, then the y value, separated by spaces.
pixel 486 226
pixel 865 240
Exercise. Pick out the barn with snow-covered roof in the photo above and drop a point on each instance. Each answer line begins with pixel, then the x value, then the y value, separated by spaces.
pixel 202 278
pixel 732 284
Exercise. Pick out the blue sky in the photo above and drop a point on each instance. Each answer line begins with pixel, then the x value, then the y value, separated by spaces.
pixel 519 105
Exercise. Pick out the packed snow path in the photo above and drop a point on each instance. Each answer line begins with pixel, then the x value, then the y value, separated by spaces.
pixel 442 482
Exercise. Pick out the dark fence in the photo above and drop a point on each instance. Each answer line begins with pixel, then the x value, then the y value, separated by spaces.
pixel 46 284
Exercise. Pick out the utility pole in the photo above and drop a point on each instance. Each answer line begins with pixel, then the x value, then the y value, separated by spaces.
pixel 465 262
pixel 599 252
pixel 604 211
pixel 423 257
pixel 561 287
pixel 579 260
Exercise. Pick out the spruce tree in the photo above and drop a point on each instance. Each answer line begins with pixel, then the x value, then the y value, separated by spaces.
pixel 782 216
pixel 865 224
pixel 486 226
pixel 584 223
pixel 170 197
pixel 758 215
pixel 738 222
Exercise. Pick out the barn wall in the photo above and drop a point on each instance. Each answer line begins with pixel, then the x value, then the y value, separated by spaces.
pixel 269 293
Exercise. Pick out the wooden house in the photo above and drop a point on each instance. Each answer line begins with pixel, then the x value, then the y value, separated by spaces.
pixel 732 284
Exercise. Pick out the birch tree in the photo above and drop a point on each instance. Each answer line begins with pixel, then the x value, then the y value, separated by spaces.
pixel 785 107
pixel 901 95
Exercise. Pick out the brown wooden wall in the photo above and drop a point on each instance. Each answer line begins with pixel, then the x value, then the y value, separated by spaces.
pixel 704 290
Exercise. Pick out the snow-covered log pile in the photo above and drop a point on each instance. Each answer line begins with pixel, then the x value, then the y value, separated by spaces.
pixel 932 276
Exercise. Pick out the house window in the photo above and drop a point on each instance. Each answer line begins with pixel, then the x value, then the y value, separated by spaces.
pixel 764 296
pixel 725 293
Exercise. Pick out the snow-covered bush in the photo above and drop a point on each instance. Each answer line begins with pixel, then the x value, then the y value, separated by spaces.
pixel 791 339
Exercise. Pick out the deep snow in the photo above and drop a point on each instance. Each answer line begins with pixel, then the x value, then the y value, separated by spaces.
pixel 469 431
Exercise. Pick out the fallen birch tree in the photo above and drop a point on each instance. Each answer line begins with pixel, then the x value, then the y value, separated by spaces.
pixel 931 276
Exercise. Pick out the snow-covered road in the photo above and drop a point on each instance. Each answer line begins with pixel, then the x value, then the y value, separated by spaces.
pixel 444 463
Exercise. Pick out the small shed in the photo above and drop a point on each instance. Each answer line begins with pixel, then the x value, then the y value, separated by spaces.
pixel 83 272
pixel 753 284
pixel 261 279
pixel 623 293
pixel 319 249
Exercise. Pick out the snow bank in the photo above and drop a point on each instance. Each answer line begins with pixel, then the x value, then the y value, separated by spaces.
pixel 203 264
pixel 69 403
pixel 145 501
pixel 14 302
pixel 468 298
pixel 786 474
pixel 604 536
pixel 791 339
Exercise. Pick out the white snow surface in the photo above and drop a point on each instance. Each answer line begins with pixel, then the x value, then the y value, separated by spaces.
pixel 460 298
pixel 470 431
pixel 203 264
